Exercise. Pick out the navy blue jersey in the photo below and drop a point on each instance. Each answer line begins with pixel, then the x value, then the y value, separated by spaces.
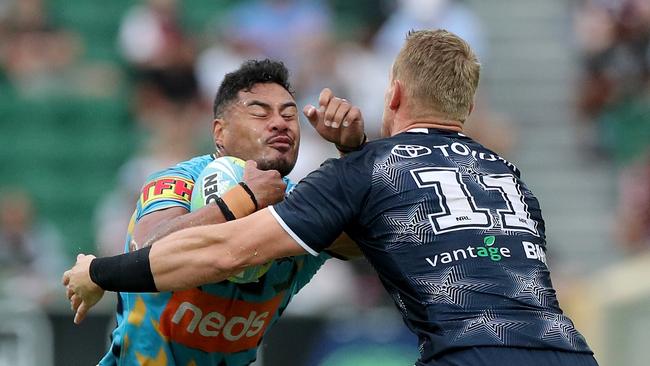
pixel 455 235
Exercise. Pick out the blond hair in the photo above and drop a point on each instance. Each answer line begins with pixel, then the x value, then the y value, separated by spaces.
pixel 440 73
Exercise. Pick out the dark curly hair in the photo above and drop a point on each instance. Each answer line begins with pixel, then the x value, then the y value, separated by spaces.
pixel 250 73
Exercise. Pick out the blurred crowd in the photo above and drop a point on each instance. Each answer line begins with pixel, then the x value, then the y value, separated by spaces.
pixel 614 104
pixel 40 57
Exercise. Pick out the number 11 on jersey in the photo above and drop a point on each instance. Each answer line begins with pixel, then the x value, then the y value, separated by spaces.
pixel 460 209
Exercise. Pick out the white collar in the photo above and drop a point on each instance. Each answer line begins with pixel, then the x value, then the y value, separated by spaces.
pixel 426 130
pixel 418 130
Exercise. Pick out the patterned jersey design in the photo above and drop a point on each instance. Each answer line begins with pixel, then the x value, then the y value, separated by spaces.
pixel 455 235
pixel 219 324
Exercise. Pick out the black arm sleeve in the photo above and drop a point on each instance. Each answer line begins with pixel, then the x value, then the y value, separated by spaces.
pixel 128 272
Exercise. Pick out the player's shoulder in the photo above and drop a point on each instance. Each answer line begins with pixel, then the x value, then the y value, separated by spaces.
pixel 171 187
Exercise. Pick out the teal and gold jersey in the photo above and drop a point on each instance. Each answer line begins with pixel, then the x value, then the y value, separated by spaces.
pixel 219 324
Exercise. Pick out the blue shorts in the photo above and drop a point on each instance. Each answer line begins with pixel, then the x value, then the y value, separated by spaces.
pixel 511 356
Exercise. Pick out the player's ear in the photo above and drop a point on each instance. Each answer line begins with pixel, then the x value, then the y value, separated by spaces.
pixel 396 90
pixel 471 109
pixel 217 131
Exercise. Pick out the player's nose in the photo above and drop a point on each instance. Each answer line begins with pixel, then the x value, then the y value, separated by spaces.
pixel 278 123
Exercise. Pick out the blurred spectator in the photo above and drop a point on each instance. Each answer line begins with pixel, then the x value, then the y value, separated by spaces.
pixel 41 58
pixel 363 74
pixel 159 53
pixel 151 36
pixel 282 29
pixel 167 102
pixel 222 55
pixel 634 206
pixel 614 38
pixel 35 53
pixel 452 15
pixel 31 258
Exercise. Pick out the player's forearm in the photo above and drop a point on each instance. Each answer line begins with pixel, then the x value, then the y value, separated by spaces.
pixel 190 258
pixel 196 256
pixel 207 215
pixel 182 260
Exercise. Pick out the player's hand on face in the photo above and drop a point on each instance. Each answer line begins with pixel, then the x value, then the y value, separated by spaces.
pixel 336 120
pixel 267 185
pixel 82 292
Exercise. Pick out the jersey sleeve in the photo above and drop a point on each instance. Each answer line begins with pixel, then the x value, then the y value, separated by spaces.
pixel 165 189
pixel 325 202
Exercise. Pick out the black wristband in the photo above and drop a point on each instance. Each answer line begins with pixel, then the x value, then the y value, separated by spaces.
pixel 129 272
pixel 346 149
pixel 225 210
pixel 250 193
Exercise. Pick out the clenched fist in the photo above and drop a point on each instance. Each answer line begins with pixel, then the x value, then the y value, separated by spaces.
pixel 267 185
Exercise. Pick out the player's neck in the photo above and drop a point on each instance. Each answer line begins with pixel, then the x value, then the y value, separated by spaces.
pixel 438 123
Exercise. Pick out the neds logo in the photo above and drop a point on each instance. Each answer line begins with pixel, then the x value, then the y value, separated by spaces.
pixel 214 324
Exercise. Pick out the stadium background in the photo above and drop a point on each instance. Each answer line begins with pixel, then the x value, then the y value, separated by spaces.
pixel 83 114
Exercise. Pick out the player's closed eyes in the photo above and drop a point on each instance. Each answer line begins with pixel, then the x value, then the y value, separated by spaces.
pixel 289 115
pixel 257 111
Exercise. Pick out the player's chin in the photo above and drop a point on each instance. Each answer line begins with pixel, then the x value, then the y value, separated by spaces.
pixel 282 162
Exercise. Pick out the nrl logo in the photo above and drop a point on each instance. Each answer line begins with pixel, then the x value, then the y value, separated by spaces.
pixel 410 151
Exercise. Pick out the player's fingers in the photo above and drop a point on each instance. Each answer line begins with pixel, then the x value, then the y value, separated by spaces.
pixel 331 110
pixel 311 113
pixel 75 301
pixel 325 97
pixel 66 278
pixel 353 116
pixel 80 256
pixel 341 114
pixel 250 164
pixel 69 292
pixel 80 315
